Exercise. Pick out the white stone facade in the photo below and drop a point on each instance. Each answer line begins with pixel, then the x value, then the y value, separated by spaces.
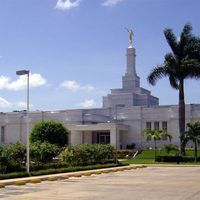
pixel 125 114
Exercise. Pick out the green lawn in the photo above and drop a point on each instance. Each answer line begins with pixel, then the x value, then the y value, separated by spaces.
pixel 147 157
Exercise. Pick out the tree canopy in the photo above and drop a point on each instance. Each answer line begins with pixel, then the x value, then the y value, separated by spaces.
pixel 49 131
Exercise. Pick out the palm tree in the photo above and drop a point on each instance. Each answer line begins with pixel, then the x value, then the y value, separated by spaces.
pixel 193 134
pixel 156 135
pixel 182 63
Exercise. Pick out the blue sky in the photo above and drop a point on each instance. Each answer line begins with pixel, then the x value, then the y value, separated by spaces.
pixel 75 50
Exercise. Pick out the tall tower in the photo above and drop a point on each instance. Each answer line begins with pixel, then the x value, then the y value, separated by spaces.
pixel 130 80
pixel 131 94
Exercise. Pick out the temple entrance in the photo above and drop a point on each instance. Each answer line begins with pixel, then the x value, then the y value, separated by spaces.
pixel 101 137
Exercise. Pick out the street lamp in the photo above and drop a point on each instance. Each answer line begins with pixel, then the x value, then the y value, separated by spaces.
pixel 20 73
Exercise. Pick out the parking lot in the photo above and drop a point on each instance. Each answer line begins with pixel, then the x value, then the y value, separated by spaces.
pixel 148 183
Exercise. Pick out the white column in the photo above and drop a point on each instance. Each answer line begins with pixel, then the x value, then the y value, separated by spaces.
pixel 114 137
pixel 76 137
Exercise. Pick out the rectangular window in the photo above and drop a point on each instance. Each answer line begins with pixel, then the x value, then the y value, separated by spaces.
pixel 164 126
pixel 2 133
pixel 156 125
pixel 148 125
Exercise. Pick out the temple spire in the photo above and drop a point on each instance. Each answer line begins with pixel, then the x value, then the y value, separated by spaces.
pixel 130 80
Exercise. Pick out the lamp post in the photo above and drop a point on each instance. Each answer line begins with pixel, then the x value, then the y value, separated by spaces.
pixel 20 73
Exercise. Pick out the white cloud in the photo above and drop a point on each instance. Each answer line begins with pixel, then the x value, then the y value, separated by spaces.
pixel 4 82
pixel 70 85
pixel 88 104
pixel 88 88
pixel 67 4
pixel 13 105
pixel 74 86
pixel 4 103
pixel 111 2
pixel 36 80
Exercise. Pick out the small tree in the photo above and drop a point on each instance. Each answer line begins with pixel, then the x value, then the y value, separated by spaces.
pixel 49 131
pixel 193 134
pixel 156 135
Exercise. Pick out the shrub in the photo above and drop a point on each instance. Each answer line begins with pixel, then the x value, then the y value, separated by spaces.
pixel 124 153
pixel 131 146
pixel 43 152
pixel 12 157
pixel 87 154
pixel 171 149
pixel 49 131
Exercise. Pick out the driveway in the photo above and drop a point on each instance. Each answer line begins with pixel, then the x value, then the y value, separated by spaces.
pixel 154 183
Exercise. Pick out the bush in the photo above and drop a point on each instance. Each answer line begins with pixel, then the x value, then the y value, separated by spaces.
pixel 124 153
pixel 87 154
pixel 131 146
pixel 12 157
pixel 43 152
pixel 171 149
pixel 177 159
pixel 49 131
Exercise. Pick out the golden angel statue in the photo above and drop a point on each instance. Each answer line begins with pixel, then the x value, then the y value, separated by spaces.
pixel 130 31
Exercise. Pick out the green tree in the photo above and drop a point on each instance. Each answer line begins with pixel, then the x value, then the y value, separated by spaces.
pixel 49 131
pixel 156 135
pixel 182 63
pixel 193 134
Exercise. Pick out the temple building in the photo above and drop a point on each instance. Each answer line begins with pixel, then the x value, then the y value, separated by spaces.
pixel 126 112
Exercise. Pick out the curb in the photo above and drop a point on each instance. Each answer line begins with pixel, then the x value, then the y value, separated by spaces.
pixel 54 177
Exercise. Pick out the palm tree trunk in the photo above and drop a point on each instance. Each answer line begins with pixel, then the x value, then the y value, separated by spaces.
pixel 182 116
pixel 155 146
pixel 195 150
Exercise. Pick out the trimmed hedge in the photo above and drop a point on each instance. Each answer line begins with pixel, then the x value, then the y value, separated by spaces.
pixel 177 159
pixel 60 170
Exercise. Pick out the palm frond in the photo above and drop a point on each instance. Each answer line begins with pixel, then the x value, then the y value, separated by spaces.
pixel 157 73
pixel 190 68
pixel 173 82
pixel 193 48
pixel 185 38
pixel 172 40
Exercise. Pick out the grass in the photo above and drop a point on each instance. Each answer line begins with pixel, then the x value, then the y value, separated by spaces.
pixel 147 157
pixel 56 171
